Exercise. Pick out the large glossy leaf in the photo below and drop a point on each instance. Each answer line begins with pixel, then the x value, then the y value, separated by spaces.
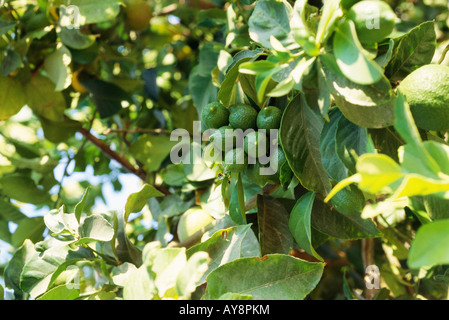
pixel 12 98
pixel 328 149
pixel 350 138
pixel 223 246
pixel 300 139
pixel 370 106
pixel 271 18
pixel 274 234
pixel 300 223
pixel 43 100
pixel 411 51
pixel 341 226
pixel 350 56
pixel 272 277
pixel 429 248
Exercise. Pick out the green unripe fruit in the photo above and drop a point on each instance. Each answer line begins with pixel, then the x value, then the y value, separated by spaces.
pixel 193 221
pixel 214 115
pixel 242 117
pixel 427 92
pixel 235 160
pixel 253 173
pixel 221 136
pixel 138 14
pixel 255 144
pixel 269 118
pixel 374 20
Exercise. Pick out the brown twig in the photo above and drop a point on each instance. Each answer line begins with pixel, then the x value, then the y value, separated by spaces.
pixel 137 130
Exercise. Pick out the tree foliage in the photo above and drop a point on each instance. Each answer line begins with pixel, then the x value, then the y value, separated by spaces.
pixel 99 87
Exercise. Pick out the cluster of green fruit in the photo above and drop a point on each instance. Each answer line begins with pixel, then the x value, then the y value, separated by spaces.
pixel 255 149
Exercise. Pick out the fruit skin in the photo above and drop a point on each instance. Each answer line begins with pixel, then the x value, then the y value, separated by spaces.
pixel 427 92
pixel 242 116
pixel 214 115
pixel 221 135
pixel 138 14
pixel 193 220
pixel 233 160
pixel 269 118
pixel 377 13
pixel 253 173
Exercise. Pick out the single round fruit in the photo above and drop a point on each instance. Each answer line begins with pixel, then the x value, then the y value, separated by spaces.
pixel 427 92
pixel 235 160
pixel 214 115
pixel 192 221
pixel 242 116
pixel 222 136
pixel 269 118
pixel 76 84
pixel 253 173
pixel 255 144
pixel 138 14
pixel 374 20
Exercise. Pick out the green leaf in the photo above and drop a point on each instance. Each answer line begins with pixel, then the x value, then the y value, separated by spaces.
pixel 59 131
pixel 95 228
pixel 271 18
pixel 10 212
pixel 237 202
pixel 5 26
pixel 61 292
pixel 28 228
pixel 264 279
pixel 328 149
pixel 12 98
pixel 57 67
pixel 429 248
pixel 80 206
pixel 342 226
pixel 15 266
pixel 300 134
pixel 329 16
pixel 11 62
pixel 223 246
pixel 43 100
pixel 300 223
pixel 139 285
pixel 227 92
pixel 350 138
pixel 136 201
pixel 274 233
pixel 108 97
pixel 351 59
pixel 74 39
pixel 96 11
pixel 369 106
pixel 152 150
pixel 303 34
pixel 411 51
pixel 190 275
pixel 22 188
pixel 405 126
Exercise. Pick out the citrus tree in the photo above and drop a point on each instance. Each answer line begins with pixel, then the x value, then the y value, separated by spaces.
pixel 286 149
